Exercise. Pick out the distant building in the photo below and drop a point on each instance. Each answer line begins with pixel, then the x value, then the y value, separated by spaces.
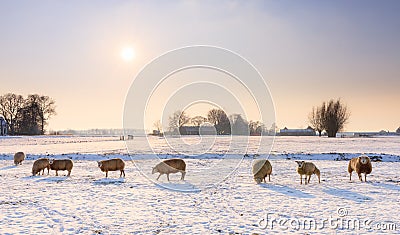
pixel 197 130
pixel 363 134
pixel 3 127
pixel 297 132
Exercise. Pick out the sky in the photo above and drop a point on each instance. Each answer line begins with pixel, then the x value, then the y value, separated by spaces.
pixel 307 52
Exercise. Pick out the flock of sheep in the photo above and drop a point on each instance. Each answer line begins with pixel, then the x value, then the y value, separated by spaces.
pixel 261 168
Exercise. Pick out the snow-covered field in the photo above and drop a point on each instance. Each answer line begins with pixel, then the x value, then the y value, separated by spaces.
pixel 88 203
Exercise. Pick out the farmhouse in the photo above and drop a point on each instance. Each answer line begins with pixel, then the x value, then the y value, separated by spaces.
pixel 3 126
pixel 297 132
pixel 197 130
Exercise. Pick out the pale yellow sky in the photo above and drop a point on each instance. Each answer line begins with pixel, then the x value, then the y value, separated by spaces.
pixel 307 53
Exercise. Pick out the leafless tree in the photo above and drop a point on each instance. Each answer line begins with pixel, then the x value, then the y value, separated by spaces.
pixel 158 126
pixel 10 105
pixel 256 127
pixel 220 120
pixel 336 116
pixel 177 120
pixel 198 120
pixel 46 107
pixel 331 116
pixel 317 119
pixel 239 125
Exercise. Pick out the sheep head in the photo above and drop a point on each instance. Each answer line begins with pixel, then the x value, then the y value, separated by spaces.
pixel 363 159
pixel 300 164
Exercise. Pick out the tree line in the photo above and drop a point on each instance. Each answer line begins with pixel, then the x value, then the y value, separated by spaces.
pixel 330 116
pixel 26 116
pixel 233 124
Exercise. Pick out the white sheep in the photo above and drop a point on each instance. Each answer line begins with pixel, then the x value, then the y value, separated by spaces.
pixel 307 169
pixel 40 165
pixel 361 164
pixel 169 166
pixel 112 165
pixel 18 158
pixel 262 168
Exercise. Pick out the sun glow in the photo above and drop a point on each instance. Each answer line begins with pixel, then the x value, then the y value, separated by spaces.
pixel 127 53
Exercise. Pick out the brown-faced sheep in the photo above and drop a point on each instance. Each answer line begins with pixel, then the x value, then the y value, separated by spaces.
pixel 361 164
pixel 18 158
pixel 61 165
pixel 307 169
pixel 169 166
pixel 39 165
pixel 262 168
pixel 116 164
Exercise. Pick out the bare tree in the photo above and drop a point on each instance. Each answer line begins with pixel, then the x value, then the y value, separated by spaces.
pixel 398 130
pixel 256 128
pixel 239 125
pixel 220 120
pixel 10 106
pixel 330 116
pixel 46 108
pixel 336 116
pixel 317 118
pixel 177 120
pixel 198 120
pixel 158 126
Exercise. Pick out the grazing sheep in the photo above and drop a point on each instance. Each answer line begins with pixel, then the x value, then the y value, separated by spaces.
pixel 262 168
pixel 169 166
pixel 61 165
pixel 39 165
pixel 18 158
pixel 112 165
pixel 307 169
pixel 361 164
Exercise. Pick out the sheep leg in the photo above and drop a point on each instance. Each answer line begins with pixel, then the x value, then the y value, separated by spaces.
pixel 56 172
pixel 301 179
pixel 309 177
pixel 122 172
pixel 48 170
pixel 69 173
pixel 158 176
pixel 168 177
pixel 360 177
pixel 183 175
pixel 365 177
pixel 106 174
pixel 350 176
pixel 269 178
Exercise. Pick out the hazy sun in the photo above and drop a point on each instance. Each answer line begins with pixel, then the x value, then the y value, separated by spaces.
pixel 128 53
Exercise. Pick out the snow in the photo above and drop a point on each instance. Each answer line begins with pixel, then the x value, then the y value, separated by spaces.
pixel 209 201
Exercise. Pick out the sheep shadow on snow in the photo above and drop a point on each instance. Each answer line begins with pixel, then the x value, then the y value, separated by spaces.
pixel 346 194
pixel 286 190
pixel 106 181
pixel 8 167
pixel 179 186
pixel 56 179
pixel 387 186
